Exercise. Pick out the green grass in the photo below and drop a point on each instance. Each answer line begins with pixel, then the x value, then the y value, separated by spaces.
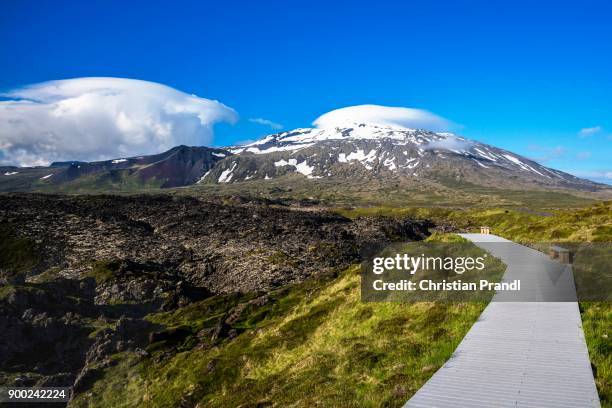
pixel 313 344
pixel 587 224
pixel 103 271
pixel 592 223
pixel 115 181
pixel 597 325
pixel 446 238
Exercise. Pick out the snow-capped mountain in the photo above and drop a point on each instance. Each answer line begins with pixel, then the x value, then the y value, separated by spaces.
pixel 365 150
pixel 360 152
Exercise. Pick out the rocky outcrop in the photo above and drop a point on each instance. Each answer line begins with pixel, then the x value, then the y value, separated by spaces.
pixel 45 330
pixel 128 334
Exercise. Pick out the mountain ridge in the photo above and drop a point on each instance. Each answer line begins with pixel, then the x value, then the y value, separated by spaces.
pixel 359 152
pixel 179 166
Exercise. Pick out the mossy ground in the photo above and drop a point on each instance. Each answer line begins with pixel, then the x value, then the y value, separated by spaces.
pixel 597 325
pixel 313 344
pixel 17 254
pixel 586 224
pixel 104 270
pixel 114 181
pixel 592 223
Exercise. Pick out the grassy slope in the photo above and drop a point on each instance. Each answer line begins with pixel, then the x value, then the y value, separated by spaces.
pixel 597 325
pixel 117 181
pixel 315 344
pixel 588 224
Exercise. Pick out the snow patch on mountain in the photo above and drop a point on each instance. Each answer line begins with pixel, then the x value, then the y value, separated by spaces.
pixel 301 167
pixel 305 169
pixel 481 165
pixel 257 150
pixel 203 177
pixel 290 162
pixel 226 175
pixel 390 163
pixel 486 155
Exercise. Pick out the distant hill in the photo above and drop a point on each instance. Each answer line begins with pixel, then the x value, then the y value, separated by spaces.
pixel 179 166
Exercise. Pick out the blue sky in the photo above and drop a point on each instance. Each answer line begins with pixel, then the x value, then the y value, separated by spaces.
pixel 526 76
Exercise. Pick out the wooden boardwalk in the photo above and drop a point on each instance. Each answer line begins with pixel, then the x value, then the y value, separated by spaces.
pixel 519 353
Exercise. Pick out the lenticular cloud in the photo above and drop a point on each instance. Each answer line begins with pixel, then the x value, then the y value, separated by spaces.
pixel 101 118
pixel 406 118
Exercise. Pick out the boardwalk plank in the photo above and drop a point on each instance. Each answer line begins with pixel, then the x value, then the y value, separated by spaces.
pixel 519 354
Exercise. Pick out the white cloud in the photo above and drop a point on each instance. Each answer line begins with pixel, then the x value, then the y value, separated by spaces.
pixel 586 132
pixel 266 122
pixel 102 118
pixel 449 142
pixel 383 116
